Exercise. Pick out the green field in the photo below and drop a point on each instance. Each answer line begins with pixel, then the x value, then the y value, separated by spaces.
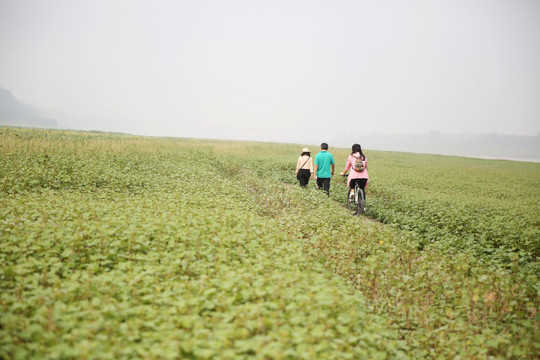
pixel 115 246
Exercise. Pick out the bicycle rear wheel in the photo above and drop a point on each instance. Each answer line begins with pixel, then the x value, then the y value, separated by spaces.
pixel 360 202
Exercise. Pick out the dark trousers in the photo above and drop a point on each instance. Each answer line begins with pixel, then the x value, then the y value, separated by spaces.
pixel 361 183
pixel 324 183
pixel 303 176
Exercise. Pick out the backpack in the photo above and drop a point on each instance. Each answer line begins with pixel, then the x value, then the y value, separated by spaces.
pixel 359 165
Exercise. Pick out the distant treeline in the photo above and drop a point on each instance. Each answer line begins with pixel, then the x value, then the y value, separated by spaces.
pixel 466 144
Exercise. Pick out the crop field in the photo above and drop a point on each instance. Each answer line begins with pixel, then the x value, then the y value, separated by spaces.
pixel 117 247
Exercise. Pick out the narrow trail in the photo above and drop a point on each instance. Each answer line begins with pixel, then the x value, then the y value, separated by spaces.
pixel 344 206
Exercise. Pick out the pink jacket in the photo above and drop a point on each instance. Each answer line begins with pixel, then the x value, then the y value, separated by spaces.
pixel 353 174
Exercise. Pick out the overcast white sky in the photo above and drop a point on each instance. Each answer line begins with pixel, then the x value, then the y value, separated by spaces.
pixel 277 70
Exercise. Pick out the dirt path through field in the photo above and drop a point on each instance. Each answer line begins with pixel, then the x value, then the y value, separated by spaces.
pixel 344 206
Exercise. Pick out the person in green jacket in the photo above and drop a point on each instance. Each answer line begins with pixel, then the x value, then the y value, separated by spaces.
pixel 324 168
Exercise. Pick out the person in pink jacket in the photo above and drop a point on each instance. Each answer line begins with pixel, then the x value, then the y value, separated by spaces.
pixel 360 177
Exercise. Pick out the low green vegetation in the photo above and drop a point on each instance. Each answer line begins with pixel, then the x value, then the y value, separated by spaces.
pixel 490 208
pixel 118 246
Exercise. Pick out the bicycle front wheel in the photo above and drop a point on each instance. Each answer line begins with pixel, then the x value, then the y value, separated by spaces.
pixel 351 203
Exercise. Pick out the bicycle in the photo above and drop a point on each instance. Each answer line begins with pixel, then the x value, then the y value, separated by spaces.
pixel 356 203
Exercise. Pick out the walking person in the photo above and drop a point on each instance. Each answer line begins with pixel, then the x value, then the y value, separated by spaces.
pixel 304 167
pixel 357 162
pixel 324 168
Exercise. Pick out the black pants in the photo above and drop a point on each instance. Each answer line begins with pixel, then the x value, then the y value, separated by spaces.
pixel 361 183
pixel 324 183
pixel 303 176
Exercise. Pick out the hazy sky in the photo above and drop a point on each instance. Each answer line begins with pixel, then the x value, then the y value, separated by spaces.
pixel 277 70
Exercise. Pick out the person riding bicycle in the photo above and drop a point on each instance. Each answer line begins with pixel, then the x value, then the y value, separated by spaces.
pixel 357 162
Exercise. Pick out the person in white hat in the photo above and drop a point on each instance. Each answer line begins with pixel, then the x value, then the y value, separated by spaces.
pixel 304 167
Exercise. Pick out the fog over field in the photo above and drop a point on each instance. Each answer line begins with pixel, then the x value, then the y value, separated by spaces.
pixel 457 77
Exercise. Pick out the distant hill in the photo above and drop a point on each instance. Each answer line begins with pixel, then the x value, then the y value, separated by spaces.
pixel 14 112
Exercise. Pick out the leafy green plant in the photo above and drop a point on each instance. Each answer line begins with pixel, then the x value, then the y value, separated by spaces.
pixel 117 246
